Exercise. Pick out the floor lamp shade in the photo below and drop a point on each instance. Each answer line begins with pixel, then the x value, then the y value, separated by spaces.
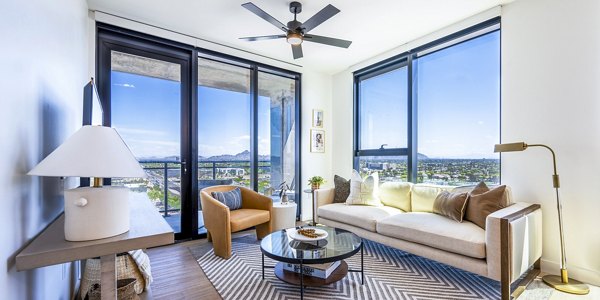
pixel 93 212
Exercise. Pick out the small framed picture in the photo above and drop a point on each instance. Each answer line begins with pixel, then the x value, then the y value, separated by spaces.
pixel 317 118
pixel 317 140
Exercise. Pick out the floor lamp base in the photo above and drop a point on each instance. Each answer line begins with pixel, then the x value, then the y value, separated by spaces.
pixel 573 287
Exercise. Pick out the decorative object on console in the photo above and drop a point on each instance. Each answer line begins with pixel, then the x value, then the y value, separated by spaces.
pixel 483 201
pixel 93 212
pixel 315 182
pixel 364 191
pixel 451 205
pixel 563 282
pixel 341 190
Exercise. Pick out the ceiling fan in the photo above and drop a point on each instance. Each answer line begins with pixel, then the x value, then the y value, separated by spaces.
pixel 296 31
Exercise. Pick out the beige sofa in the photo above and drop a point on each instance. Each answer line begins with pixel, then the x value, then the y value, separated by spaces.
pixel 508 249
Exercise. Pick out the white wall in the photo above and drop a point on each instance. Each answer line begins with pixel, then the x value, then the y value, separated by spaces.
pixel 551 95
pixel 316 94
pixel 44 68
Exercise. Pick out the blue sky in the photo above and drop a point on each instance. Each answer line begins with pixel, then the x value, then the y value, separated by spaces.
pixel 146 112
pixel 458 103
pixel 458 94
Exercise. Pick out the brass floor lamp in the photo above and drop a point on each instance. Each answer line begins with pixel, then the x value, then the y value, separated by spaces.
pixel 563 282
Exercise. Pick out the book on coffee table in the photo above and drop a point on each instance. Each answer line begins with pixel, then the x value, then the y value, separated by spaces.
pixel 315 270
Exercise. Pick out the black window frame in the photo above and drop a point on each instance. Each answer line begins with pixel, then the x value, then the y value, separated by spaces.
pixel 396 62
pixel 110 37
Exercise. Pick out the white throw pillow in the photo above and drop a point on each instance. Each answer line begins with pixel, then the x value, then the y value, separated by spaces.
pixel 364 191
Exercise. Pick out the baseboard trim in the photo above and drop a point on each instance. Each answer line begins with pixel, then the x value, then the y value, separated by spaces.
pixel 581 274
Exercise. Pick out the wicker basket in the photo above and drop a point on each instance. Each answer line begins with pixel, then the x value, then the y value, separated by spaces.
pixel 126 268
pixel 125 290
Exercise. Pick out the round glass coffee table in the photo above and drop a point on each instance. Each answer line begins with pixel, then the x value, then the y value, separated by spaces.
pixel 338 245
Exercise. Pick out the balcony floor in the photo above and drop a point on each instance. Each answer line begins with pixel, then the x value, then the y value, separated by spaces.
pixel 174 220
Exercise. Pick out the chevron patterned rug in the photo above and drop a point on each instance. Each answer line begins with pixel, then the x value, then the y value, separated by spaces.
pixel 389 274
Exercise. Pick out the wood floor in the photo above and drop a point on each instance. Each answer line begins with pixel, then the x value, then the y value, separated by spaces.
pixel 177 275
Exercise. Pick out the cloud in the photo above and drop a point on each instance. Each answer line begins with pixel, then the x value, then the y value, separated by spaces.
pixel 125 85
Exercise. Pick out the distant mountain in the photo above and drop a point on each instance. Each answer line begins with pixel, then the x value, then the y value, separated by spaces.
pixel 242 156
pixel 420 156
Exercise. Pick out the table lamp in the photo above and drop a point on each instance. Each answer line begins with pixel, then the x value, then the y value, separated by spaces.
pixel 95 212
pixel 563 282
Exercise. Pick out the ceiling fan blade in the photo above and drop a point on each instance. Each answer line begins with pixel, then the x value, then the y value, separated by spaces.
pixel 322 16
pixel 297 51
pixel 262 38
pixel 327 40
pixel 265 16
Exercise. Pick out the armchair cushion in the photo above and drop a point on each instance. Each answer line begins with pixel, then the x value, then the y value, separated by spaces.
pixel 245 218
pixel 233 198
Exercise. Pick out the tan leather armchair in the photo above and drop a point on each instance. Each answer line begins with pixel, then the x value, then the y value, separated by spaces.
pixel 220 222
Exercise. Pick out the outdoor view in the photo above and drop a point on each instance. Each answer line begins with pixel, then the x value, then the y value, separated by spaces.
pixel 146 111
pixel 457 90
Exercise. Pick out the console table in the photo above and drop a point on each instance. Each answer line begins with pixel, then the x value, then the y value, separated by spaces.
pixel 147 229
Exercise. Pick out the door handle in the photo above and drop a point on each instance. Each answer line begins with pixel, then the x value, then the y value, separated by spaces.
pixel 184 166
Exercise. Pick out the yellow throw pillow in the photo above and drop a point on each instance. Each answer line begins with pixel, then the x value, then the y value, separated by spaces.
pixel 364 191
pixel 395 194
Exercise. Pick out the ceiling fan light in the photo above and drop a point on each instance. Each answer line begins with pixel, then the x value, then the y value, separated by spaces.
pixel 294 39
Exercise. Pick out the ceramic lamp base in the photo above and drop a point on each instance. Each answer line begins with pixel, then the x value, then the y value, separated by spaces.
pixel 93 213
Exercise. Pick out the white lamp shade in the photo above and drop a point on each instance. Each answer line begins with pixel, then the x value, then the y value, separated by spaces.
pixel 93 151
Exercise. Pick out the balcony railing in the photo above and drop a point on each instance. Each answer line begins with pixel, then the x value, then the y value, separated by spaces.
pixel 208 171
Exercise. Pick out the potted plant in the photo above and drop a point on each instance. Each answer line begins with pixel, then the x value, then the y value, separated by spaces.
pixel 315 182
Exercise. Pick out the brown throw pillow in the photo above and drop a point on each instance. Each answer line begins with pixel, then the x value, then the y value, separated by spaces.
pixel 483 202
pixel 341 189
pixel 451 205
pixel 480 188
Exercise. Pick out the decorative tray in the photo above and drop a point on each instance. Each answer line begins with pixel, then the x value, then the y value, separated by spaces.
pixel 307 234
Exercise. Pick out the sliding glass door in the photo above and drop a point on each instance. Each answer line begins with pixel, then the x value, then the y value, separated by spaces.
pixel 246 127
pixel 144 91
pixel 195 119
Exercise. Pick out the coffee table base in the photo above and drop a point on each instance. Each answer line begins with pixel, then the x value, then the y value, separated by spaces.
pixel 294 278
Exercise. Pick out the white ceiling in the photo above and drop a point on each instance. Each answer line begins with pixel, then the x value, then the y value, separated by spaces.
pixel 374 26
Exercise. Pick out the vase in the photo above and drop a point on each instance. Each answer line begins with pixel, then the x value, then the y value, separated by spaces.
pixel 315 186
pixel 284 199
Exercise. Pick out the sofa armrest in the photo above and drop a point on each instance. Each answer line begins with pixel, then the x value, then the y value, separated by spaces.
pixel 513 241
pixel 324 196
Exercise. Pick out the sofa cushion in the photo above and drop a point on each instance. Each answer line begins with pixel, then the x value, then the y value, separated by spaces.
pixel 451 205
pixel 244 218
pixel 364 191
pixel 395 194
pixel 341 190
pixel 435 231
pixel 423 195
pixel 365 217
pixel 484 202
